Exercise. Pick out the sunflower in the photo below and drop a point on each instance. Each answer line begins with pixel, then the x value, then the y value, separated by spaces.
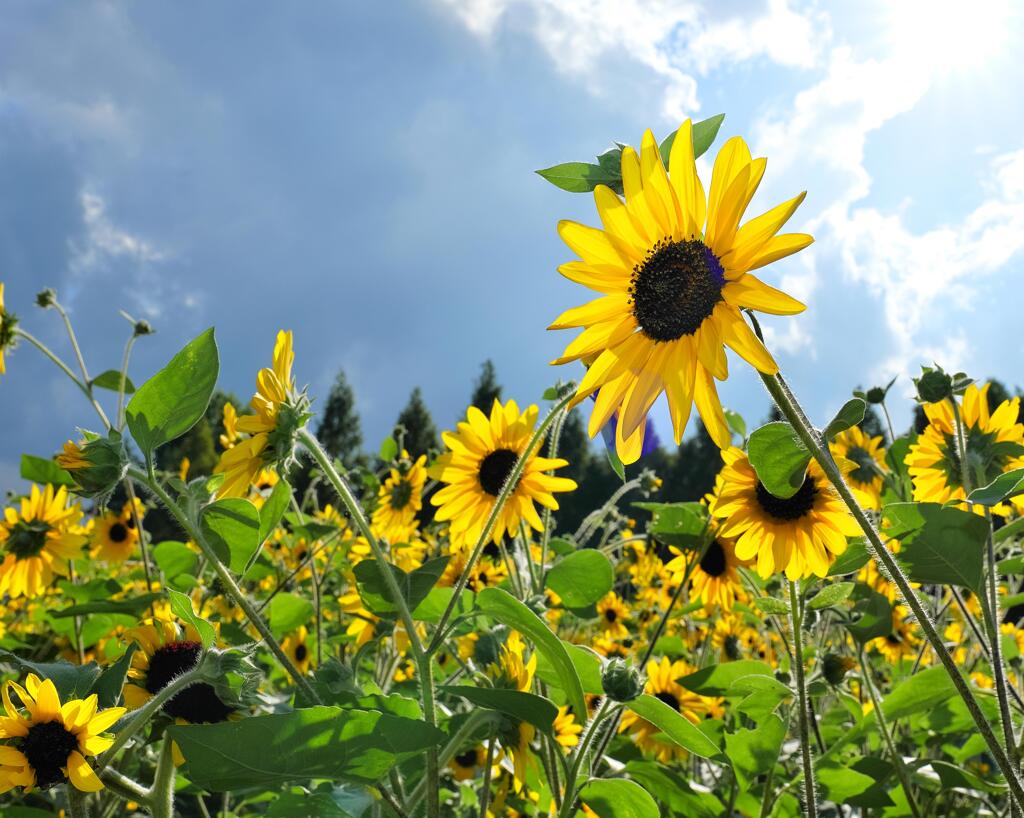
pixel 167 650
pixel 466 765
pixel 901 642
pixel 38 541
pixel 296 646
pixel 400 499
pixel 8 322
pixel 995 443
pixel 52 742
pixel 672 284
pixel 242 463
pixel 865 481
pixel 727 637
pixel 513 672
pixel 800 535
pixel 113 538
pixel 566 729
pixel 612 615
pixel 714 580
pixel 480 458
pixel 662 684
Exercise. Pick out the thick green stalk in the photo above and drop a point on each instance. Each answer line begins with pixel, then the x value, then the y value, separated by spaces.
pixel 796 621
pixel 123 787
pixel 162 793
pixel 811 440
pixel 78 804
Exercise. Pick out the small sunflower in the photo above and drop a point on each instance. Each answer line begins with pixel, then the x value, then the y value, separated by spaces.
pixel 113 538
pixel 167 650
pixel 566 729
pixel 39 539
pixel 242 463
pixel 662 684
pixel 995 443
pixel 800 535
pixel 714 580
pixel 727 637
pixel 901 642
pixel 400 499
pixel 514 672
pixel 865 481
pixel 296 646
pixel 612 615
pixel 673 269
pixel 51 743
pixel 466 765
pixel 480 458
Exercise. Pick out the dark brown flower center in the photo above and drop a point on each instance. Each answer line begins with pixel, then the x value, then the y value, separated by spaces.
pixel 789 508
pixel 118 532
pixel 27 538
pixel 495 470
pixel 669 699
pixel 713 563
pixel 47 747
pixel 401 494
pixel 197 703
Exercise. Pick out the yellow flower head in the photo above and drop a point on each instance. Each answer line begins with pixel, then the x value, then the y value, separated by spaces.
pixel 51 741
pixel 113 538
pixel 480 458
pixel 865 481
pixel 400 499
pixel 673 270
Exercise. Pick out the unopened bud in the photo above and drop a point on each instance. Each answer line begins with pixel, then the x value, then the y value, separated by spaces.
pixel 621 681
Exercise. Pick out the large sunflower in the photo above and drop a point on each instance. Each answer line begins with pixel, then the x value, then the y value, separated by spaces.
pixel 53 740
pixel 400 499
pixel 39 539
pixel 995 443
pixel 800 535
pixel 242 463
pixel 865 481
pixel 672 283
pixel 714 580
pixel 480 458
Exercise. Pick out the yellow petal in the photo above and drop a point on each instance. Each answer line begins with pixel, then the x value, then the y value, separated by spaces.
pixel 751 237
pixel 682 171
pixel 594 246
pixel 752 293
pixel 732 158
pixel 47 705
pixel 81 774
pixel 705 395
pixel 660 197
pixel 617 221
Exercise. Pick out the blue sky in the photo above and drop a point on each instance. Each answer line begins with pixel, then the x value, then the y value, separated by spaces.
pixel 362 174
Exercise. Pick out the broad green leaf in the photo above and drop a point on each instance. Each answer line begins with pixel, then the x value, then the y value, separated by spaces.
pixel 831 595
pixel 273 509
pixel 305 804
pixel 581 578
pixel 737 424
pixel 753 752
pixel 110 682
pixel 840 782
pixel 1002 488
pixel 289 611
pixel 111 379
pixel 872 614
pixel 43 470
pixel 501 605
pixel 704 133
pixel 134 606
pixel 181 606
pixel 762 694
pixel 772 605
pixel 674 791
pixel 918 693
pixel 232 527
pixel 374 590
pixel 848 416
pixel 358 746
pixel 854 558
pixel 779 458
pixel 174 558
pixel 940 545
pixel 526 707
pixel 619 798
pixel 678 524
pixel 715 680
pixel 172 401
pixel 435 603
pixel 71 681
pixel 388 449
pixel 615 462
pixel 674 725
pixel 950 776
pixel 579 177
pixel 588 668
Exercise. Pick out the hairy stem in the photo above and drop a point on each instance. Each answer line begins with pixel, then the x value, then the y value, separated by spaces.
pixel 806 753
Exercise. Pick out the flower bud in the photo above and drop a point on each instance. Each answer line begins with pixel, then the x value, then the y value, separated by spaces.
pixel 621 681
pixel 835 667
pixel 143 327
pixel 933 386
pixel 46 298
pixel 875 395
pixel 97 464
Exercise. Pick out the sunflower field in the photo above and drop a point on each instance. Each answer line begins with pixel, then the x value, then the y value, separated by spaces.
pixel 830 631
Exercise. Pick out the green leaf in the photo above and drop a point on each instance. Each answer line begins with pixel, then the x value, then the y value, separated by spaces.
pixel 110 682
pixel 373 587
pixel 872 614
pixel 918 693
pixel 388 449
pixel 523 706
pixel 715 680
pixel 762 694
pixel 679 524
pixel 1002 488
pixel 358 746
pixel 172 401
pixel 753 752
pixel 941 545
pixel 42 470
pixel 840 782
pixel 581 578
pixel 181 606
pixel 129 607
pixel 737 424
pixel 850 415
pixel 273 509
pixel 502 606
pixel 674 791
pixel 434 604
pixel 232 527
pixel 831 595
pixel 174 558
pixel 71 681
pixel 320 804
pixel 772 605
pixel 674 725
pixel 615 462
pixel 854 558
pixel 586 662
pixel 619 798
pixel 779 458
pixel 704 133
pixel 579 177
pixel 289 611
pixel 111 379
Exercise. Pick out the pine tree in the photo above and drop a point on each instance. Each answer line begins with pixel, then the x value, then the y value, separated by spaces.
pixel 486 389
pixel 339 430
pixel 420 433
pixel 692 473
pixel 872 424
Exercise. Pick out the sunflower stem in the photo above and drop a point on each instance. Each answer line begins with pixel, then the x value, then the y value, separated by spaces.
pixel 806 752
pixel 582 749
pixel 125 788
pixel 485 789
pixel 791 411
pixel 545 535
pixel 162 792
pixel 78 804
pixel 63 367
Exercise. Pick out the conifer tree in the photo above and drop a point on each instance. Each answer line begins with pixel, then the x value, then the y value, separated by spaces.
pixel 339 429
pixel 486 388
pixel 420 432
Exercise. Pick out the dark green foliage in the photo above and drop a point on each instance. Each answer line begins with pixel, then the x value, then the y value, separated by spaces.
pixel 339 430
pixel 872 425
pixel 420 435
pixel 486 388
pixel 200 443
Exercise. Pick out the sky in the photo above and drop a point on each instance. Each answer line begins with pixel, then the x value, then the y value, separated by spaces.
pixel 362 173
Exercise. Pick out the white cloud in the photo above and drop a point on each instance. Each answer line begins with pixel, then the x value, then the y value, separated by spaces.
pixel 675 39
